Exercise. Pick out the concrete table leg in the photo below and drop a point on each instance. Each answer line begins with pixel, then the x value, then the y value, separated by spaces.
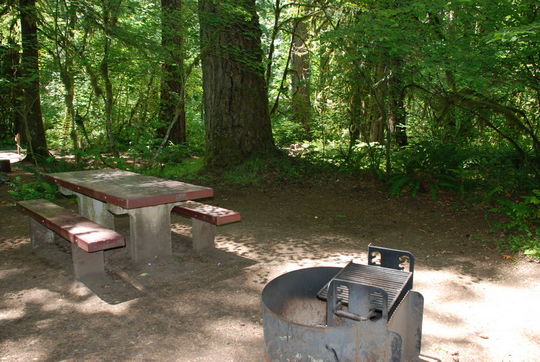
pixel 203 235
pixel 150 232
pixel 87 265
pixel 95 210
pixel 40 235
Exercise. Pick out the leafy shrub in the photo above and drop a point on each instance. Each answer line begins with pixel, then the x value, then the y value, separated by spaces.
pixel 32 190
pixel 185 170
pixel 429 167
pixel 37 189
pixel 272 170
pixel 52 164
pixel 287 132
pixel 495 167
pixel 368 156
pixel 522 227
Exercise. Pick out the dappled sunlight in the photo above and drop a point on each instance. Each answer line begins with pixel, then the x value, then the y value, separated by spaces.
pixel 300 250
pixel 11 312
pixel 8 273
pixel 127 189
pixel 91 303
pixel 198 306
pixel 14 243
pixel 37 349
pixel 485 314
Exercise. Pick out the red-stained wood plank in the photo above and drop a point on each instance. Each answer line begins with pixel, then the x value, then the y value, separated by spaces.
pixel 208 213
pixel 73 227
pixel 126 189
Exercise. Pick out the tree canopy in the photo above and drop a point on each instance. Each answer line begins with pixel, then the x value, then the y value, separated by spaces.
pixel 365 84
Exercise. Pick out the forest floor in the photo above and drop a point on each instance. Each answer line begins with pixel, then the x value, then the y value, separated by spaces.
pixel 480 305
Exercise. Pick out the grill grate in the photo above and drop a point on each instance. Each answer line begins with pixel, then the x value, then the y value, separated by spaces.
pixel 396 283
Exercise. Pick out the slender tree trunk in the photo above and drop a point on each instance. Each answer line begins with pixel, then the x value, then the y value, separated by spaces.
pixel 356 117
pixel 271 48
pixel 300 82
pixel 64 58
pixel 109 20
pixel 172 108
pixel 235 95
pixel 397 115
pixel 31 110
pixel 324 70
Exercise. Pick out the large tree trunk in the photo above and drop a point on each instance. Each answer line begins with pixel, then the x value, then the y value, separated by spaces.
pixel 172 107
pixel 300 82
pixel 10 91
pixel 31 110
pixel 235 99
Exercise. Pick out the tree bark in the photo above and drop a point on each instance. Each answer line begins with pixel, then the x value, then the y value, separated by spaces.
pixel 31 110
pixel 173 80
pixel 63 56
pixel 10 91
pixel 237 122
pixel 109 20
pixel 300 82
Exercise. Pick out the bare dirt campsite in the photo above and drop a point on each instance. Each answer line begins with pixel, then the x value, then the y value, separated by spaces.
pixel 480 305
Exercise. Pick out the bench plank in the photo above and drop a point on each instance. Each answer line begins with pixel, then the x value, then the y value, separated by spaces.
pixel 86 234
pixel 207 213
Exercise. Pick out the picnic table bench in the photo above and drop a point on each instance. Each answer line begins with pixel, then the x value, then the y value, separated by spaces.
pixel 204 219
pixel 147 200
pixel 88 239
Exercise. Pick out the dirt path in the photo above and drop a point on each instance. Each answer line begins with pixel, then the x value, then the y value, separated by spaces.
pixel 479 306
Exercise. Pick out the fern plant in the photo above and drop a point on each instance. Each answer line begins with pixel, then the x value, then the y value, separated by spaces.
pixel 522 227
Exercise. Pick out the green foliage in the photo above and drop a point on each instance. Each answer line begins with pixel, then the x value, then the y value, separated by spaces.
pixel 32 190
pixel 460 77
pixel 287 132
pixel 435 166
pixel 429 167
pixel 522 225
pixel 186 170
pixel 53 164
pixel 274 170
pixel 402 184
pixel 7 143
pixel 37 189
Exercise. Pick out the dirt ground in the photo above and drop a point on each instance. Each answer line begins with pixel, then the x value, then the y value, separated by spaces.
pixel 479 305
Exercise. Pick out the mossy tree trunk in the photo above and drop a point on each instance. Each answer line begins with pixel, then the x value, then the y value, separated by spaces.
pixel 237 121
pixel 34 130
pixel 172 102
pixel 300 77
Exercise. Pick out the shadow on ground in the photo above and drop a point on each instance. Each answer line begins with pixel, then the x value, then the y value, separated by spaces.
pixel 207 307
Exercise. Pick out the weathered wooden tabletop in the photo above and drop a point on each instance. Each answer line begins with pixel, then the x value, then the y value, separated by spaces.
pixel 126 189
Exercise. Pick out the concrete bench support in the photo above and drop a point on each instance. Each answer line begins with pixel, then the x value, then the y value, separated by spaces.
pixel 5 165
pixel 87 265
pixel 150 232
pixel 40 235
pixel 204 219
pixel 88 239
pixel 203 235
pixel 91 208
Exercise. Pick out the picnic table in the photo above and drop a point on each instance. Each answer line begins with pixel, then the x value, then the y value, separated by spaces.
pixel 147 200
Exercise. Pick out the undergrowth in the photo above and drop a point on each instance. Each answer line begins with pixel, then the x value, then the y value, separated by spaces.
pixel 480 175
pixel 521 226
pixel 37 189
